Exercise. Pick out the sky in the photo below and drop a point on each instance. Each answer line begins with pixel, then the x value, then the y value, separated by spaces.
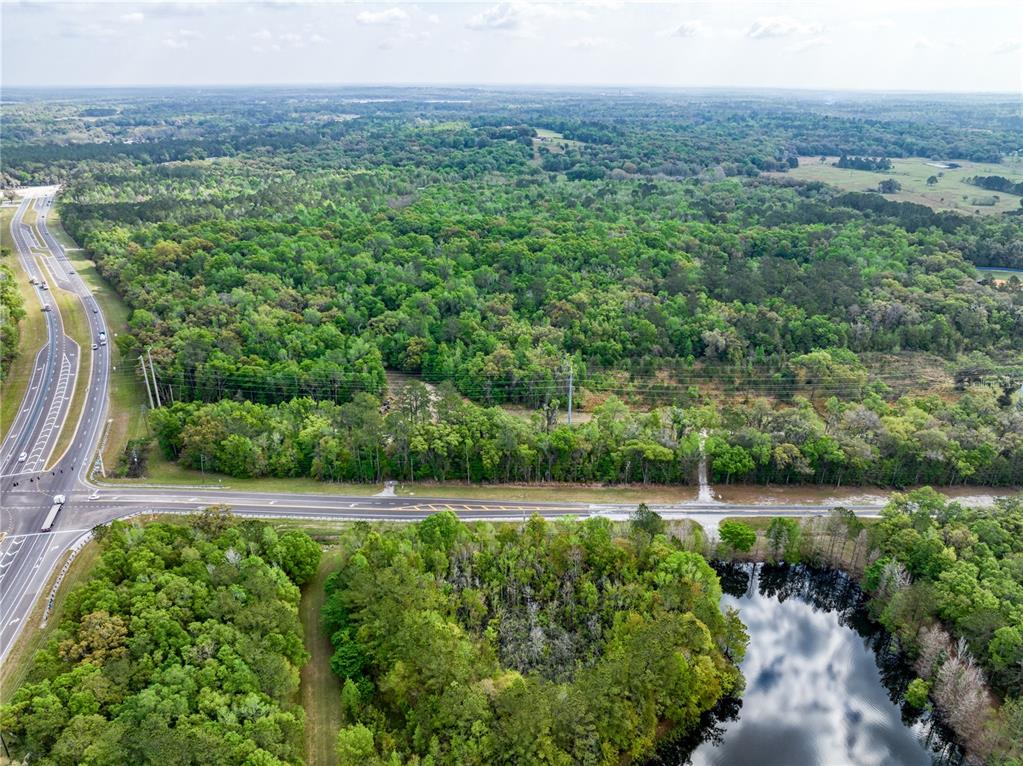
pixel 917 45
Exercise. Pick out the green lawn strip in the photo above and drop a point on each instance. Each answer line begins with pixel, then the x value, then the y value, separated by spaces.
pixel 18 663
pixel 32 337
pixel 163 471
pixel 76 327
pixel 550 493
pixel 320 690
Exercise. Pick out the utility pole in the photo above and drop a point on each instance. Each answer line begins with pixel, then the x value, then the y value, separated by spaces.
pixel 152 371
pixel 570 392
pixel 145 377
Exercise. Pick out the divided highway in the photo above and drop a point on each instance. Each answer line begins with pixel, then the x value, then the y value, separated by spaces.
pixel 27 486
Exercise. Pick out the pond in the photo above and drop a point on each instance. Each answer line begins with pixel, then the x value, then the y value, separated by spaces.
pixel 824 686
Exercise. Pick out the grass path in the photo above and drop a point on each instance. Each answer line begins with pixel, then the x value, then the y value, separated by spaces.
pixel 320 689
pixel 32 337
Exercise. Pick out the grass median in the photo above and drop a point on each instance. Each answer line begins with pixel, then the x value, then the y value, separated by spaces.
pixel 76 327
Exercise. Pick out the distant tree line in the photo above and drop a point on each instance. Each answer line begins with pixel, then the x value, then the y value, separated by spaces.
pixel 864 163
pixel 997 183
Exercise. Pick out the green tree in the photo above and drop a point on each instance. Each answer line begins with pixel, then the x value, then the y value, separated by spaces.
pixel 737 536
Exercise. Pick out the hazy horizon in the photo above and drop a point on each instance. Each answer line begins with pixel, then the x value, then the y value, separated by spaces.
pixel 906 46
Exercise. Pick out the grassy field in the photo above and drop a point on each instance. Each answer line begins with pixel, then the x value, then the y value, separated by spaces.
pixel 127 393
pixel 551 139
pixel 1000 275
pixel 76 326
pixel 950 193
pixel 33 333
pixel 320 689
pixel 17 664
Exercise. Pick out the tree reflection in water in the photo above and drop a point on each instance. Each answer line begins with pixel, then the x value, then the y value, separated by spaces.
pixel 825 684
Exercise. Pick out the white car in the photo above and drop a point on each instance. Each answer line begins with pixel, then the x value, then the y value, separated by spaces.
pixel 94 346
pixel 22 457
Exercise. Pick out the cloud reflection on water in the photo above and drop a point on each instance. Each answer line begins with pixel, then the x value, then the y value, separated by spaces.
pixel 814 696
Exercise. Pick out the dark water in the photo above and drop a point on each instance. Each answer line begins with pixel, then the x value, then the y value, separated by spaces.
pixel 824 686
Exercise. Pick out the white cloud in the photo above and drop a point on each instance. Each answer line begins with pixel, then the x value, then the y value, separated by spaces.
pixel 263 34
pixel 388 17
pixel 924 43
pixel 180 39
pixel 809 43
pixel 90 30
pixel 691 28
pixel 517 16
pixel 781 26
pixel 404 36
pixel 504 16
pixel 135 17
pixel 1009 46
pixel 591 42
pixel 179 8
pixel 433 18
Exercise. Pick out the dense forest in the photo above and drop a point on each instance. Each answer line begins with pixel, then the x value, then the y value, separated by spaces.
pixel 183 647
pixel 444 437
pixel 12 311
pixel 301 247
pixel 556 643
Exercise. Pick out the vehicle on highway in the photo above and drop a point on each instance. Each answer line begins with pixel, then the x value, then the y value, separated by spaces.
pixel 46 307
pixel 95 311
pixel 51 517
pixel 33 281
pixel 42 286
pixel 102 338
pixel 94 346
pixel 22 457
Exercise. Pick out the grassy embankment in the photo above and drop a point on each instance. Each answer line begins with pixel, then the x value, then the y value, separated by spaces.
pixel 32 327
pixel 951 192
pixel 18 663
